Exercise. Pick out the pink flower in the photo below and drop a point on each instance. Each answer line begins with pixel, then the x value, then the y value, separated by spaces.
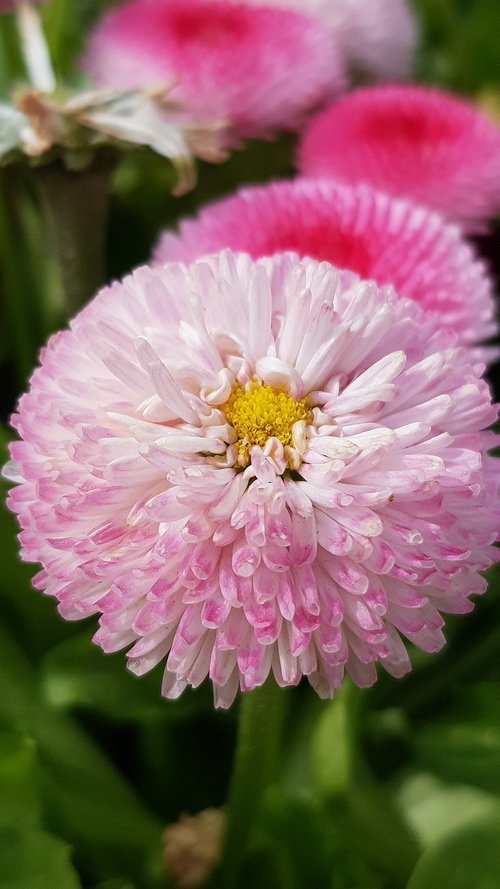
pixel 410 141
pixel 259 69
pixel 376 36
pixel 247 467
pixel 369 232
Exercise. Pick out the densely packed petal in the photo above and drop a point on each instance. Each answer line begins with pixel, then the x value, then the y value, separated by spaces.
pixel 377 37
pixel 258 69
pixel 410 141
pixel 371 233
pixel 251 467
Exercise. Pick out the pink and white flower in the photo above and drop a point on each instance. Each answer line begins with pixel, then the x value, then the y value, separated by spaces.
pixel 379 237
pixel 377 37
pixel 413 142
pixel 257 69
pixel 252 467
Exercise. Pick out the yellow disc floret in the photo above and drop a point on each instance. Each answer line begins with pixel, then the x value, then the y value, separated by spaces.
pixel 259 413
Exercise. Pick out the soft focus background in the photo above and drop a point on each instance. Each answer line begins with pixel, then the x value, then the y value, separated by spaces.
pixel 93 763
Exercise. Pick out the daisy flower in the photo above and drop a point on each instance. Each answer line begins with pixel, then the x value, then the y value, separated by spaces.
pixel 410 141
pixel 259 69
pixel 251 467
pixel 379 237
pixel 377 37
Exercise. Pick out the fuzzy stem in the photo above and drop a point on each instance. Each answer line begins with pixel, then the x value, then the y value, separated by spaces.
pixel 262 713
pixel 75 205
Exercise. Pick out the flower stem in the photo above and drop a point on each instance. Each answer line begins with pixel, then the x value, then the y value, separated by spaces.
pixel 20 308
pixel 262 714
pixel 75 205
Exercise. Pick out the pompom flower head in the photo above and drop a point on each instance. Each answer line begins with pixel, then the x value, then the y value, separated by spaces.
pixel 410 141
pixel 258 69
pixel 377 37
pixel 247 467
pixel 379 237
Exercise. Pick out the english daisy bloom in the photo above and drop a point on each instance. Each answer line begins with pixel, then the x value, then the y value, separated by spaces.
pixel 410 141
pixel 379 237
pixel 377 37
pixel 251 467
pixel 258 69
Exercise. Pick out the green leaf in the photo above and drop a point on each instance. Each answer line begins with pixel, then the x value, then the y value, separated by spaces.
pixel 19 805
pixel 465 745
pixel 35 860
pixel 115 884
pixel 302 833
pixel 85 799
pixel 435 809
pixel 78 673
pixel 375 829
pixel 467 859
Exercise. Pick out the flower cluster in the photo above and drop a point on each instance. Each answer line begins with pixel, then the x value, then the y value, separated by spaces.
pixel 273 460
pixel 379 237
pixel 377 38
pixel 410 141
pixel 259 69
pixel 248 467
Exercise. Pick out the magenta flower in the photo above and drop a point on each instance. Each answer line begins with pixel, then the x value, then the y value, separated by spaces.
pixel 253 467
pixel 377 37
pixel 258 69
pixel 413 142
pixel 369 232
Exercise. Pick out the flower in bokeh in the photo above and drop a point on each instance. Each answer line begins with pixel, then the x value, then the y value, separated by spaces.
pixel 193 845
pixel 410 141
pixel 377 37
pixel 259 69
pixel 379 237
pixel 247 467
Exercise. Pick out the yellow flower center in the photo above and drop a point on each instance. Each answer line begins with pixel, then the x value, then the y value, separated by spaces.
pixel 260 413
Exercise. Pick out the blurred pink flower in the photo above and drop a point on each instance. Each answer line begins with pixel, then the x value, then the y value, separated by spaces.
pixel 379 237
pixel 248 467
pixel 377 37
pixel 410 141
pixel 258 69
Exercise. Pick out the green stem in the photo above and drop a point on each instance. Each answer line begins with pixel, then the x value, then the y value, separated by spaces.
pixel 19 298
pixel 259 740
pixel 75 206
